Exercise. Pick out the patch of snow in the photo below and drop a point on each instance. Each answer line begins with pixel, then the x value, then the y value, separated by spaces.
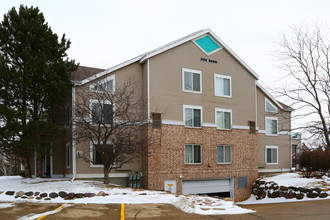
pixel 6 205
pixel 33 216
pixel 190 204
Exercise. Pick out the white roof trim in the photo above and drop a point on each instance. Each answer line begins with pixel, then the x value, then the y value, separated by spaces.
pixel 143 57
pixel 270 96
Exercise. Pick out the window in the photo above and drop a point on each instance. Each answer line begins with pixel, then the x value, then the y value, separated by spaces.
pixel 96 158
pixel 105 85
pixel 271 126
pixel 192 80
pixel 242 182
pixel 192 154
pixel 67 155
pixel 269 107
pixel 102 112
pixel 223 118
pixel 192 116
pixel 207 44
pixel 222 85
pixel 223 154
pixel 271 154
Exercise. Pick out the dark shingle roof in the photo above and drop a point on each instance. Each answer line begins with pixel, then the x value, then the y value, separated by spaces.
pixel 84 72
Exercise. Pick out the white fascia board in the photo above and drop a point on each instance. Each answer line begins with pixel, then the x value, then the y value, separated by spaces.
pixel 172 44
pixel 270 96
pixel 114 68
pixel 233 54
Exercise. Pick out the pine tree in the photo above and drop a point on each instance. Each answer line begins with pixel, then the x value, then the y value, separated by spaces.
pixel 34 80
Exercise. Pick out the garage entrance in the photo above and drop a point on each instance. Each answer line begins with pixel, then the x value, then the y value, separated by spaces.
pixel 221 187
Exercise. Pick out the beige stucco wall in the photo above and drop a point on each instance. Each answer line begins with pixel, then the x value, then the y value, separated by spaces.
pixel 133 72
pixel 282 140
pixel 168 98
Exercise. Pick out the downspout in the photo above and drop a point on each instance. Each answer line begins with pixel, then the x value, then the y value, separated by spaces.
pixel 290 133
pixel 256 102
pixel 74 164
pixel 148 83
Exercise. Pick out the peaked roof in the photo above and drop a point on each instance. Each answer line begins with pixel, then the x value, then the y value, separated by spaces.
pixel 279 104
pixel 84 72
pixel 143 57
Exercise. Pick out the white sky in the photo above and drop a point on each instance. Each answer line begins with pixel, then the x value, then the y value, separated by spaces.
pixel 105 33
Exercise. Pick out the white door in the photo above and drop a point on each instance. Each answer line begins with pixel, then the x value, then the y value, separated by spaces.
pixel 205 186
pixel 170 185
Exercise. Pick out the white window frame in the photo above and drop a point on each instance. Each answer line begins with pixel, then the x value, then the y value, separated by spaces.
pixel 91 101
pixel 271 147
pixel 193 71
pixel 193 152
pixel 91 156
pixel 216 75
pixel 271 118
pixel 223 110
pixel 231 154
pixel 67 155
pixel 107 79
pixel 267 100
pixel 192 107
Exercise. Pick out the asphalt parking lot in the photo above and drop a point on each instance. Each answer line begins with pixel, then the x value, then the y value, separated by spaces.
pixel 297 210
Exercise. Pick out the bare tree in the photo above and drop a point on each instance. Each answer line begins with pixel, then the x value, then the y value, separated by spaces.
pixel 305 59
pixel 112 122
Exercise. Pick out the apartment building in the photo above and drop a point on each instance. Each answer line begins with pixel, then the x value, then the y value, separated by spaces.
pixel 216 126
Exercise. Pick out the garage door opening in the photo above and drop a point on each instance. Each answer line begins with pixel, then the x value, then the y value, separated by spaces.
pixel 210 187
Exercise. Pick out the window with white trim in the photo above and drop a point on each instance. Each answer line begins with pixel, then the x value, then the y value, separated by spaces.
pixel 105 85
pixel 269 106
pixel 192 154
pixel 271 155
pixel 191 80
pixel 67 155
pixel 222 85
pixel 271 126
pixel 192 116
pixel 102 112
pixel 223 118
pixel 224 154
pixel 96 157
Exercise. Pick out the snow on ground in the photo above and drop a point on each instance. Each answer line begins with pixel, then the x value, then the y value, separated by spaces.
pixel 190 204
pixel 290 179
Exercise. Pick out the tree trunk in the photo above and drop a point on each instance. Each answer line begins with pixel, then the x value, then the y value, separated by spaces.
pixel 106 176
pixel 27 167
pixel 39 166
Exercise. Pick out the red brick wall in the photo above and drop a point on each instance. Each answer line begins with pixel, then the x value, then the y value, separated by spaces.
pixel 164 159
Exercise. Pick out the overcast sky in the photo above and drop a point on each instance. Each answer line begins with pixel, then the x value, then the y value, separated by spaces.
pixel 106 32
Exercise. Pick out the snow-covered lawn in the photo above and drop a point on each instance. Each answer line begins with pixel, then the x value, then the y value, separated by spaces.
pixel 190 204
pixel 291 179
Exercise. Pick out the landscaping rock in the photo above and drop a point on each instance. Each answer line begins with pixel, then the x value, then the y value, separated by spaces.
pixel 47 199
pixel 62 194
pixel 303 189
pixel 275 187
pixel 106 194
pixel 290 195
pixel 30 193
pixel 43 195
pixel 53 195
pixel 89 194
pixel 293 188
pixel 71 195
pixel 283 188
pixel 38 198
pixel 261 182
pixel 79 195
pixel 323 195
pixel 273 194
pixel 283 193
pixel 24 197
pixel 300 196
pixel 20 193
pixel 101 193
pixel 68 198
pixel 10 193
pixel 312 195
pixel 36 193
pixel 318 190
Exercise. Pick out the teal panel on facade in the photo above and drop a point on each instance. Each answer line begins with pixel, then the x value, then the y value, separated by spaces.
pixel 207 44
